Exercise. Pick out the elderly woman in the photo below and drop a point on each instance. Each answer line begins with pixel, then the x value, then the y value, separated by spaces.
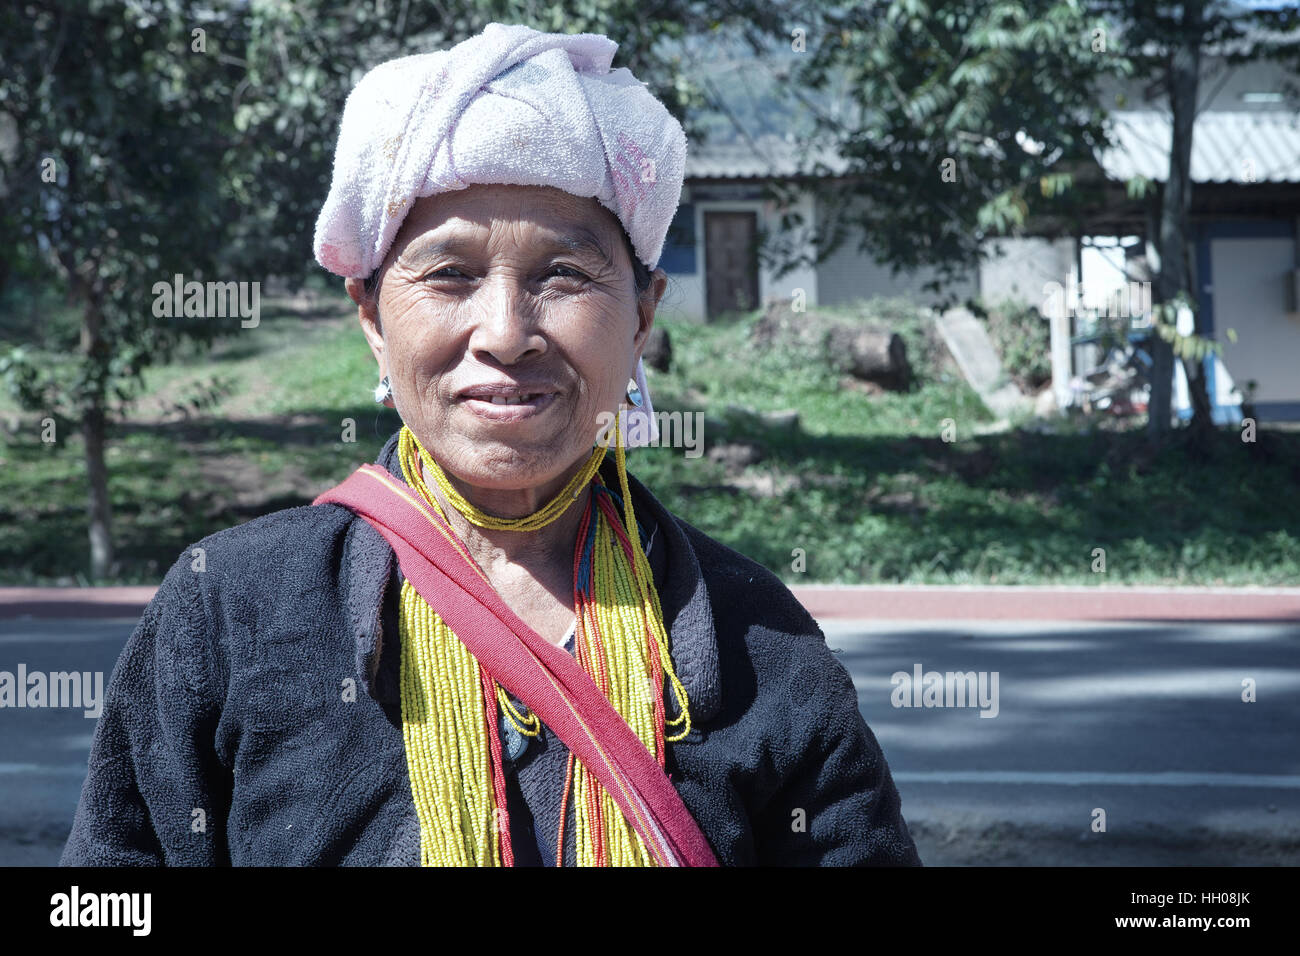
pixel 493 646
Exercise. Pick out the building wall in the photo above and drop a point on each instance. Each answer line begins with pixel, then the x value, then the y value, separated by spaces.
pixel 683 255
pixel 1019 269
pixel 1021 272
pixel 849 274
pixel 1251 290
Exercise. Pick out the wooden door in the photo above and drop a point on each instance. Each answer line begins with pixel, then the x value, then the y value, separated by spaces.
pixel 730 262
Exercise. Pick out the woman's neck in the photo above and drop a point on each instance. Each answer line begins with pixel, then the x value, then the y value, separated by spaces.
pixel 542 552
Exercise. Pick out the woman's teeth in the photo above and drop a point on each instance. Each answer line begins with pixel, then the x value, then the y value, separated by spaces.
pixel 515 400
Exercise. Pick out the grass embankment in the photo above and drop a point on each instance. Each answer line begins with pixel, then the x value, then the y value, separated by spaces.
pixel 864 485
pixel 268 433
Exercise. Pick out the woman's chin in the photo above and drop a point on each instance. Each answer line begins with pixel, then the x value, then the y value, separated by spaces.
pixel 512 466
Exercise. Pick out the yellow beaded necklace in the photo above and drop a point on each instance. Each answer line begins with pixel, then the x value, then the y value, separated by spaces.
pixel 453 755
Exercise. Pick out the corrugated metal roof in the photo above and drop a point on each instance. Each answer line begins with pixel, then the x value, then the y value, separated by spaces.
pixel 768 156
pixel 1222 144
pixel 1227 147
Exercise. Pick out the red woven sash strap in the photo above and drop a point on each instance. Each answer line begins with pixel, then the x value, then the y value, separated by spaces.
pixel 546 678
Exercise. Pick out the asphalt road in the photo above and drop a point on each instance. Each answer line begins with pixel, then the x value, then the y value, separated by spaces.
pixel 1144 721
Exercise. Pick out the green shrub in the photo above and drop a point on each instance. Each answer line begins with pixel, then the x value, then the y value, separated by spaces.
pixel 1021 338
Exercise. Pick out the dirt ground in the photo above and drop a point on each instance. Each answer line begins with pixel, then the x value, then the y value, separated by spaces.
pixel 995 847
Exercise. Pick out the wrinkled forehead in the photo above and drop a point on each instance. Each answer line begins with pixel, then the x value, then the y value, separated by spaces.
pixel 509 218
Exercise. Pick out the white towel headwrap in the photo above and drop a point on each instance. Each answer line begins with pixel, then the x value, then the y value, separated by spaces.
pixel 511 106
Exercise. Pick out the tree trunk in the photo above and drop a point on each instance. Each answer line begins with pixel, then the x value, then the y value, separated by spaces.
pixel 98 511
pixel 873 354
pixel 1160 401
pixel 1198 393
pixel 1175 273
pixel 93 429
pixel 1160 406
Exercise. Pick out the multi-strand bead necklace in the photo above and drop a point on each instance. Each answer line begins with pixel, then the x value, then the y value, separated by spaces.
pixel 453 748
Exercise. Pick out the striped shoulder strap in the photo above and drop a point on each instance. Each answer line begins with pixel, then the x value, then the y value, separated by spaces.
pixel 548 680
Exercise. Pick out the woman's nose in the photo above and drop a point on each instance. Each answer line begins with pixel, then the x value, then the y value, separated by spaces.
pixel 505 324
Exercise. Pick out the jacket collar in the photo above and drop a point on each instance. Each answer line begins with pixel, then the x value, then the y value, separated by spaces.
pixel 371 572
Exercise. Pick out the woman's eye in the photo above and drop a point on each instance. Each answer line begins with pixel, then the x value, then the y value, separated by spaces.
pixel 571 272
pixel 563 272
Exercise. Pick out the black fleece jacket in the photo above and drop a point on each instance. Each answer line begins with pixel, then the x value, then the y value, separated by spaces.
pixel 253 716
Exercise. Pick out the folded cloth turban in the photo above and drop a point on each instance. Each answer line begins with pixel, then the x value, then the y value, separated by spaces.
pixel 511 105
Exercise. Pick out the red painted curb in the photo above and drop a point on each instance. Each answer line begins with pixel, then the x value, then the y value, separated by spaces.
pixel 885 602
pixel 939 603
pixel 74 602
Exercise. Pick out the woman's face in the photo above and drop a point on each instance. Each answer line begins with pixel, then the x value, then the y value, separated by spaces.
pixel 507 322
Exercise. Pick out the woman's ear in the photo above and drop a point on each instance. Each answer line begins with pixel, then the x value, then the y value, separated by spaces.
pixel 646 305
pixel 368 315
pixel 356 289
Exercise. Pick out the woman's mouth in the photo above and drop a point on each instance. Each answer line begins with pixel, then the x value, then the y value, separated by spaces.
pixel 509 408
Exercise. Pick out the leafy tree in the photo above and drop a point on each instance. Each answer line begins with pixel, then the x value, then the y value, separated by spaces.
pixel 968 118
pixel 304 58
pixel 1164 45
pixel 150 138
pixel 112 185
pixel 974 119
